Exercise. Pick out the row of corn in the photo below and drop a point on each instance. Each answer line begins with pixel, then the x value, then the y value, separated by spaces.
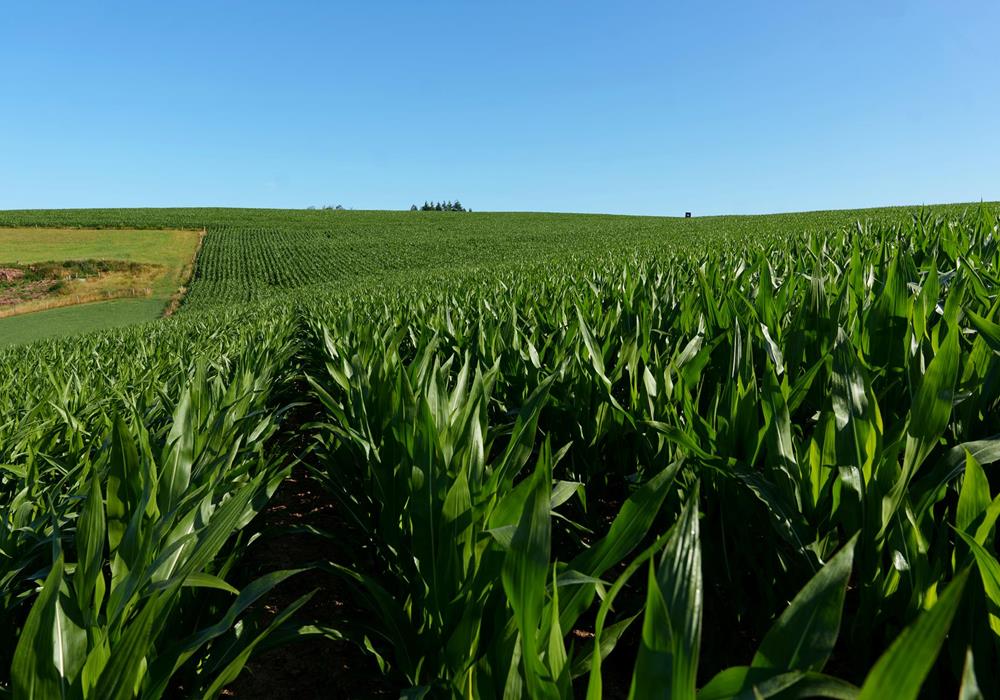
pixel 762 470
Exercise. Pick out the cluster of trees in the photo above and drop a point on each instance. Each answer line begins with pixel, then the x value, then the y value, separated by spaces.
pixel 428 206
pixel 440 206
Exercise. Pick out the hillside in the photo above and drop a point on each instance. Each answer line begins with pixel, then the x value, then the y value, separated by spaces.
pixel 250 254
pixel 497 455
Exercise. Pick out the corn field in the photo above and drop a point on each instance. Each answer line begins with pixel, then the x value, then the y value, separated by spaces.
pixel 745 465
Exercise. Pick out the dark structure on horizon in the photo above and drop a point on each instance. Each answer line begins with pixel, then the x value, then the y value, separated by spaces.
pixel 440 206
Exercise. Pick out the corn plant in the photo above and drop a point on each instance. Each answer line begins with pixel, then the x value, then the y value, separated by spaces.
pixel 136 537
pixel 751 461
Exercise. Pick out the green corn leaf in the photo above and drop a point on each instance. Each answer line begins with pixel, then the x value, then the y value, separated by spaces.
pixel 855 412
pixel 15 470
pixel 750 683
pixel 598 651
pixel 850 397
pixel 124 483
pixel 514 684
pixel 88 581
pixel 562 491
pixel 803 638
pixel 985 527
pixel 556 656
pixel 782 456
pixel 989 572
pixel 988 331
pixel 970 686
pixel 627 530
pixel 122 672
pixel 596 356
pixel 97 659
pixel 219 529
pixel 233 668
pixel 803 383
pixel 667 662
pixel 773 351
pixel 69 636
pixel 679 437
pixel 928 418
pixel 630 525
pixel 952 465
pixel 204 580
pixel 900 672
pixel 524 573
pixel 603 646
pixel 169 660
pixel 523 437
pixel 179 458
pixel 974 498
pixel 34 672
pixel 933 401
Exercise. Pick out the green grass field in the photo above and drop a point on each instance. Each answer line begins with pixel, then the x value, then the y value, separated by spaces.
pixel 73 320
pixel 517 455
pixel 174 250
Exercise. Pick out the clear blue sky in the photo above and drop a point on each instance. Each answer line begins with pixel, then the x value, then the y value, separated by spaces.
pixel 626 107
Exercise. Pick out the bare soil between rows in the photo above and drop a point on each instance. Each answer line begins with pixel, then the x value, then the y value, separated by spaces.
pixel 316 667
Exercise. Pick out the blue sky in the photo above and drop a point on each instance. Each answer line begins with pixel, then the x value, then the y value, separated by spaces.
pixel 623 107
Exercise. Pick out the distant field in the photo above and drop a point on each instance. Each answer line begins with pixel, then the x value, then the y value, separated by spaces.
pixel 494 449
pixel 255 254
pixel 168 254
pixel 252 254
pixel 498 448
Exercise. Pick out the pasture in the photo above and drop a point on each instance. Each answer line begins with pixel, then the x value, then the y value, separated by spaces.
pixel 149 264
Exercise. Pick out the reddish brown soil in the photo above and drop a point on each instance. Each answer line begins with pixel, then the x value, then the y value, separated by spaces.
pixel 316 667
pixel 22 291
